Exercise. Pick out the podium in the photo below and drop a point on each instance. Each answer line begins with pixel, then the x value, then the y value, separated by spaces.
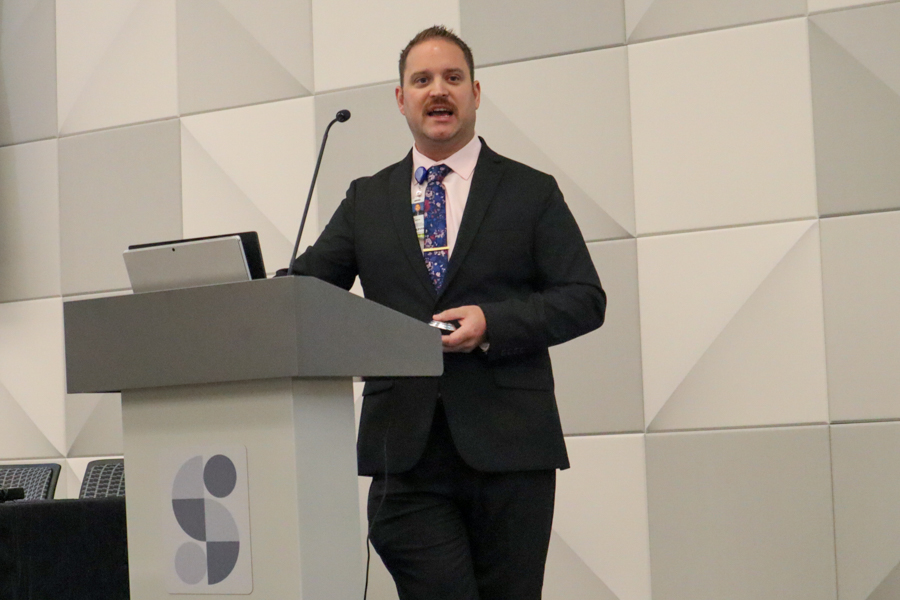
pixel 263 370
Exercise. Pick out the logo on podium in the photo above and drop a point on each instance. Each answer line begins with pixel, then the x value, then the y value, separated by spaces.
pixel 208 522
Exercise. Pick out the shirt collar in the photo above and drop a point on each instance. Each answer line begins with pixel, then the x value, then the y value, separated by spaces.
pixel 462 162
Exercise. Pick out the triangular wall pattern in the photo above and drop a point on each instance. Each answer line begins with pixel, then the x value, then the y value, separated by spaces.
pixel 213 204
pixel 134 78
pixel 767 366
pixel 857 131
pixel 604 172
pixel 31 364
pixel 101 433
pixel 567 576
pixel 657 18
pixel 21 438
pixel 691 287
pixel 594 221
pixel 228 65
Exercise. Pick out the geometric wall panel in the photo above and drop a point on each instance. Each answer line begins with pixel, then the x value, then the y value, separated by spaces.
pixel 600 520
pixel 598 376
pixel 376 136
pixel 723 128
pixel 540 29
pixel 28 82
pixel 866 461
pixel 93 424
pixel 116 188
pixel 32 380
pixel 358 43
pixel 732 327
pixel 820 5
pixel 860 271
pixel 567 577
pixel 232 52
pixel 742 515
pixel 658 18
pixel 29 221
pixel 74 469
pixel 249 169
pixel 856 102
pixel 116 62
pixel 575 126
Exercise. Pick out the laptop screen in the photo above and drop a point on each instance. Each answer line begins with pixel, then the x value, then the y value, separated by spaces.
pixel 193 262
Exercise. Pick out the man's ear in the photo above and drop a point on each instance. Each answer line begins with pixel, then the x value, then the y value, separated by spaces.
pixel 399 94
pixel 476 89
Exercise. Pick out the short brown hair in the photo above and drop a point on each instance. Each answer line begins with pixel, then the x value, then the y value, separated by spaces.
pixel 437 32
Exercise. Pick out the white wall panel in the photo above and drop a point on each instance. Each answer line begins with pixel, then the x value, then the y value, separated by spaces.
pixel 116 62
pixel 32 379
pixel 732 327
pixel 249 169
pixel 575 125
pixel 94 424
pixel 27 70
pixel 233 52
pixel 722 128
pixel 601 511
pixel 359 43
pixel 117 188
pixel 29 221
pixel 820 5
pixel 648 19
pixel 375 137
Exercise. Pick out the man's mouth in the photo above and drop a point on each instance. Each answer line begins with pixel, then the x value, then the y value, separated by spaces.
pixel 440 111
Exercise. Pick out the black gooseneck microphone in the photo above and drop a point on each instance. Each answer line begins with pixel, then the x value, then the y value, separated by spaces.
pixel 340 117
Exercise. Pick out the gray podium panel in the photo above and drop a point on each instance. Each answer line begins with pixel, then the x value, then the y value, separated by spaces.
pixel 283 327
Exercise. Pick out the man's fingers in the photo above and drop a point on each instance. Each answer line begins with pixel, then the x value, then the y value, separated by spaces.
pixel 451 314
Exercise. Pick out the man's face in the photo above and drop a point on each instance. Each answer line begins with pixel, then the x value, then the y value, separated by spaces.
pixel 438 98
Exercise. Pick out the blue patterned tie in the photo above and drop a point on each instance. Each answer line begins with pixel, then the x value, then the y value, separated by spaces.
pixel 436 250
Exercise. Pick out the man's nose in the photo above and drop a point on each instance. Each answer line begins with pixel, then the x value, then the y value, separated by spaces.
pixel 438 88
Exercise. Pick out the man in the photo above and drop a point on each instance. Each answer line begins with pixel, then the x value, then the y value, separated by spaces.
pixel 461 503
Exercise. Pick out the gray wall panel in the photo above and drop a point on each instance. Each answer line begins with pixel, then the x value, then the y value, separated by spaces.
pixel 741 515
pixel 375 137
pixel 117 187
pixel 856 103
pixel 860 270
pixel 27 70
pixel 508 30
pixel 599 386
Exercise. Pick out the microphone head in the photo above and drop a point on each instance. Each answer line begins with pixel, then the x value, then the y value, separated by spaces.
pixel 342 115
pixel 15 493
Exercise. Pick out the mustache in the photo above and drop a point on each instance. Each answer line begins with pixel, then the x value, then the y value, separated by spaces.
pixel 439 104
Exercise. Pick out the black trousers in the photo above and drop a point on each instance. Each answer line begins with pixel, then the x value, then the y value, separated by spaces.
pixel 448 532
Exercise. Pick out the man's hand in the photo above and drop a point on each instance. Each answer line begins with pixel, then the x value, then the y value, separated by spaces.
pixel 471 332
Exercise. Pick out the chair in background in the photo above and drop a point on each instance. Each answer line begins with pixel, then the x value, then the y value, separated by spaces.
pixel 103 479
pixel 39 481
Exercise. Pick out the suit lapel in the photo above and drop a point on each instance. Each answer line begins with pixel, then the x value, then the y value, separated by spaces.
pixel 488 172
pixel 401 210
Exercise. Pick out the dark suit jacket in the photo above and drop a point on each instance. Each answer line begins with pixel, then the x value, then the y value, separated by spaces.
pixel 520 256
